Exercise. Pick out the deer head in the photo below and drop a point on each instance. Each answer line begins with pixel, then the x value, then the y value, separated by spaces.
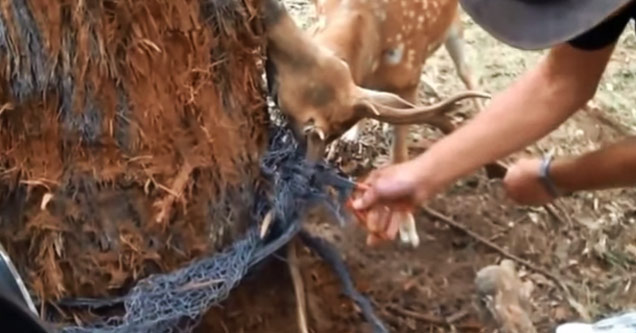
pixel 316 90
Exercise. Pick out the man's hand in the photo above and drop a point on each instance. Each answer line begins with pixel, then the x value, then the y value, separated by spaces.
pixel 390 190
pixel 394 185
pixel 523 185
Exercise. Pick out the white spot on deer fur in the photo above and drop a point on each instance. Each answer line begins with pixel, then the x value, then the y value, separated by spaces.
pixel 394 56
pixel 420 19
pixel 398 37
pixel 411 58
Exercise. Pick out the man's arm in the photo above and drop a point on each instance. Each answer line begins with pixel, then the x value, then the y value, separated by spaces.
pixel 536 104
pixel 611 167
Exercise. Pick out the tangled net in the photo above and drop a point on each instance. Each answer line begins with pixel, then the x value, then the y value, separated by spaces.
pixel 175 302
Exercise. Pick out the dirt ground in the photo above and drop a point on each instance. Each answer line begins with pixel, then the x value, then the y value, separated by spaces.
pixel 590 247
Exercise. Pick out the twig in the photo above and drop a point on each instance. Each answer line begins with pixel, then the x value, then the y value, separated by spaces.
pixel 457 316
pixel 299 288
pixel 432 319
pixel 8 171
pixel 578 307
pixel 553 213
pixel 421 316
pixel 175 192
pixel 199 285
pixel 552 210
pixel 267 222
pixel 6 107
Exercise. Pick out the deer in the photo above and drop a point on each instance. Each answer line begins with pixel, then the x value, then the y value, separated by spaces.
pixel 425 26
pixel 363 60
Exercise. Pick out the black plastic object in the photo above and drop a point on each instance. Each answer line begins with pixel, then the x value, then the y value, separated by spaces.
pixel 15 317
pixel 17 312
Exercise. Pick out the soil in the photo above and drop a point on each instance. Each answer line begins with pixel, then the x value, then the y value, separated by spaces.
pixel 589 246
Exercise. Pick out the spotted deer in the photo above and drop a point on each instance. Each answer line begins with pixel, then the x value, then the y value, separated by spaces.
pixel 363 59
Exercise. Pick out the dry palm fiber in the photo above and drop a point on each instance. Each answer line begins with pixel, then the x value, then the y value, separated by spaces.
pixel 133 140
pixel 131 134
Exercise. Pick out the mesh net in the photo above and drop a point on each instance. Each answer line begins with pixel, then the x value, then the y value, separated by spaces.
pixel 177 300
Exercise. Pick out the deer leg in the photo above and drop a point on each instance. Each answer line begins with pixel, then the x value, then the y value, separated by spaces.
pixel 455 46
pixel 406 220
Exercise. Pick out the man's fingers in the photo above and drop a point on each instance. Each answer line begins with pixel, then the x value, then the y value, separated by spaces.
pixel 377 219
pixel 373 240
pixel 393 228
pixel 372 221
pixel 367 199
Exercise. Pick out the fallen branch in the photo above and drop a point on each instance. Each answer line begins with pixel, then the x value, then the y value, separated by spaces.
pixel 578 307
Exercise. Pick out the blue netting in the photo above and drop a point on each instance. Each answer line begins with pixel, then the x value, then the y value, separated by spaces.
pixel 174 302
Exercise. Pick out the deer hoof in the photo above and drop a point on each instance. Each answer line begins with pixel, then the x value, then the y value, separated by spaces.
pixel 407 230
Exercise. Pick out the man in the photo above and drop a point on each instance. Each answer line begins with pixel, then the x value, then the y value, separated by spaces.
pixel 582 35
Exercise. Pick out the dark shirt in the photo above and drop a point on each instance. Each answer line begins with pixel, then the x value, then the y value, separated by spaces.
pixel 607 32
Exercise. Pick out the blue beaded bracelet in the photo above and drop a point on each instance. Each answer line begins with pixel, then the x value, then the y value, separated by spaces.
pixel 544 176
